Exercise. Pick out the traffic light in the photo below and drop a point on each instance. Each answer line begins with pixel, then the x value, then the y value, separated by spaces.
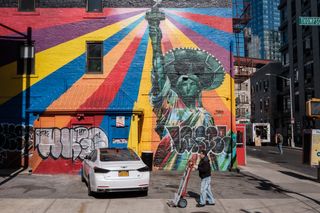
pixel 313 108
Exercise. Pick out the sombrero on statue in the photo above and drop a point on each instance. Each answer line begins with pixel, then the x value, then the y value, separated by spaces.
pixel 192 61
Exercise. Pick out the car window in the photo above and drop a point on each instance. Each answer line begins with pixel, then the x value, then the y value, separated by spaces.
pixel 118 155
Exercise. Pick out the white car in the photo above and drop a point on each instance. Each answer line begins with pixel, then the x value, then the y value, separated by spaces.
pixel 115 170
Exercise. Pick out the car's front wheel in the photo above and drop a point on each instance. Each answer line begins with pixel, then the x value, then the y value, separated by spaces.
pixel 90 193
pixel 82 177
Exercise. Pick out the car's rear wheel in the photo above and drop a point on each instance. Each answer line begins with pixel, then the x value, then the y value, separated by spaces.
pixel 90 193
pixel 145 193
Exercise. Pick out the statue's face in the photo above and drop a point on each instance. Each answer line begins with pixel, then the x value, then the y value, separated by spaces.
pixel 188 86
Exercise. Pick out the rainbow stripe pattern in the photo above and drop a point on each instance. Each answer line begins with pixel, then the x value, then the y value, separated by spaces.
pixel 52 99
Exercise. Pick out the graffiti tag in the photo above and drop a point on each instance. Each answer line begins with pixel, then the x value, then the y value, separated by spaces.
pixel 13 137
pixel 192 140
pixel 74 143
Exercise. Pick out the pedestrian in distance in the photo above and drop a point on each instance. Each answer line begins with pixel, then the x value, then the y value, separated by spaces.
pixel 204 168
pixel 279 142
pixel 289 141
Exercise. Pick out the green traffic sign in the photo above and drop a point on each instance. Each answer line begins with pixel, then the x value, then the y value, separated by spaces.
pixel 313 21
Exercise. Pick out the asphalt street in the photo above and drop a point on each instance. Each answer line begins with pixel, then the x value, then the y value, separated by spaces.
pixel 290 159
pixel 163 185
pixel 260 187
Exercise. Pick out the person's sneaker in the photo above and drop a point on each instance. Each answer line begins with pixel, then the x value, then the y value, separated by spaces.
pixel 210 204
pixel 200 205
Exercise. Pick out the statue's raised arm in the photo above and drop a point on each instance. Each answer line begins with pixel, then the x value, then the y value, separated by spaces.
pixel 154 17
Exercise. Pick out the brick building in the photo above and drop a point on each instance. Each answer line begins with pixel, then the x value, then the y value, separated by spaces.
pixel 89 82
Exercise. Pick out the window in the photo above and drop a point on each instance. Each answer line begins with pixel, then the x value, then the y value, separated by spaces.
pixel 265 85
pixel 94 5
pixel 307 44
pixel 260 85
pixel 266 105
pixel 26 5
pixel 296 74
pixel 284 37
pixel 285 59
pixel 118 155
pixel 308 72
pixel 94 57
pixel 286 104
pixel 296 103
pixel 283 14
pixel 295 53
pixel 293 8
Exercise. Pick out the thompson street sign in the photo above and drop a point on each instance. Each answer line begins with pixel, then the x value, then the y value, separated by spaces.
pixel 313 21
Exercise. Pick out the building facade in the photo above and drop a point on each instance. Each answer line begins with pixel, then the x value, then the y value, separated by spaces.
pixel 105 74
pixel 264 41
pixel 300 57
pixel 266 98
pixel 243 101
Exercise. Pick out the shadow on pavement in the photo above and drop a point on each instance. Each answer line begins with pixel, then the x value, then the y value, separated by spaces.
pixel 267 185
pixel 194 195
pixel 281 162
pixel 117 195
pixel 246 211
pixel 9 174
pixel 302 177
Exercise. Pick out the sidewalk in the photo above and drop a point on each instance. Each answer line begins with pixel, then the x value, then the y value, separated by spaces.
pixel 294 184
pixel 151 206
pixel 260 187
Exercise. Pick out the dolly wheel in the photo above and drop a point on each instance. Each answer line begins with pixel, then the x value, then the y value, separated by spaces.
pixel 182 203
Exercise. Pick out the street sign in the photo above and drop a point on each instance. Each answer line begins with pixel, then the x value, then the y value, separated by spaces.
pixel 311 21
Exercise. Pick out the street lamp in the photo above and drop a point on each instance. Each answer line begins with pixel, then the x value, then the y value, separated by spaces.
pixel 291 105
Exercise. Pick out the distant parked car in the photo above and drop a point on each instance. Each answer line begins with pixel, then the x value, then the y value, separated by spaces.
pixel 115 170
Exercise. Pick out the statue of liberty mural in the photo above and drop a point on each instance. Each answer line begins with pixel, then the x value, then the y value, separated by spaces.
pixel 178 79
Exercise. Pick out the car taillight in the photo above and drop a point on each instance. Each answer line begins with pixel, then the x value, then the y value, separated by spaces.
pixel 100 170
pixel 144 169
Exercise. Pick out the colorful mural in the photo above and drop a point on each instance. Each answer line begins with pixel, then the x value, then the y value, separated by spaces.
pixel 168 80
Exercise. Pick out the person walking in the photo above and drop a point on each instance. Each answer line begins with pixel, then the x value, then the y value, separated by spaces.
pixel 279 141
pixel 204 168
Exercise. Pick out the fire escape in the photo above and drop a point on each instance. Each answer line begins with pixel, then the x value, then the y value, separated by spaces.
pixel 244 65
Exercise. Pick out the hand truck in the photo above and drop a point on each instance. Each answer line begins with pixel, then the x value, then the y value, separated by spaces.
pixel 179 197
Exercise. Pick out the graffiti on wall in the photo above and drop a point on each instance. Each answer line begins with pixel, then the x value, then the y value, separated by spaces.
pixel 193 140
pixel 69 143
pixel 178 79
pixel 12 139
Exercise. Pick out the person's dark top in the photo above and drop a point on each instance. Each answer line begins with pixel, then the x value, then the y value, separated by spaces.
pixel 204 168
pixel 280 138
